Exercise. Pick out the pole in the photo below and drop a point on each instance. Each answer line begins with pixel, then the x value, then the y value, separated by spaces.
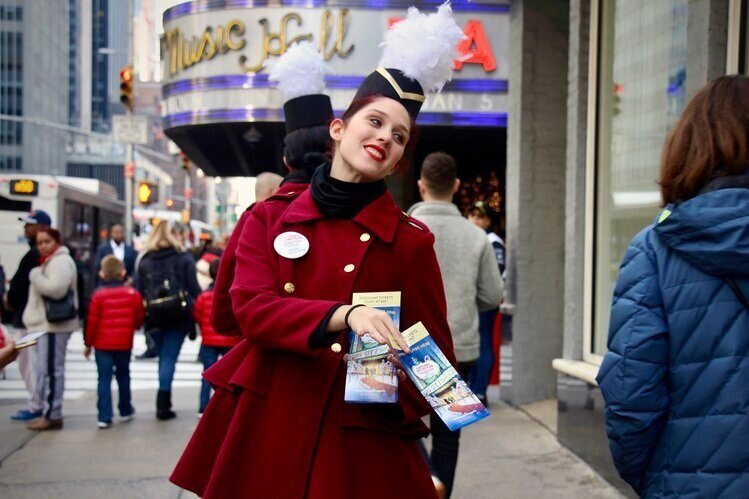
pixel 129 184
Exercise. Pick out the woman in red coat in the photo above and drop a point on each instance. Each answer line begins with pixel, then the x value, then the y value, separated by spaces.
pixel 285 431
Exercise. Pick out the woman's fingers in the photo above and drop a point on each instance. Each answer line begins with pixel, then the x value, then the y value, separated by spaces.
pixel 379 325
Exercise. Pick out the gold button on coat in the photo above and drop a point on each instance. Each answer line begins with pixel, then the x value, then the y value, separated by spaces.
pixel 336 347
pixel 289 287
pixel 349 268
pixel 365 237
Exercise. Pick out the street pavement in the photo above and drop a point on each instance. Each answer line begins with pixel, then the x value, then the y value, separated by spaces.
pixel 509 455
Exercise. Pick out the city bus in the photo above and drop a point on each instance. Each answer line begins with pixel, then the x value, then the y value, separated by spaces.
pixel 81 208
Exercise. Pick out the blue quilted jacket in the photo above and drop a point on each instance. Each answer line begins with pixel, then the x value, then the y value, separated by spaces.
pixel 676 377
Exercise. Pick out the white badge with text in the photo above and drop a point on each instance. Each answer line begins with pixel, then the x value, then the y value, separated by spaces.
pixel 291 245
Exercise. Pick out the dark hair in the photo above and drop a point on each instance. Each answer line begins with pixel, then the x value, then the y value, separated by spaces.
pixel 53 233
pixel 306 148
pixel 439 172
pixel 710 140
pixel 213 267
pixel 116 224
pixel 358 104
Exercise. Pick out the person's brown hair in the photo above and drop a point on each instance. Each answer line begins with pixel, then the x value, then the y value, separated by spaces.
pixel 53 233
pixel 438 173
pixel 213 267
pixel 710 139
pixel 111 268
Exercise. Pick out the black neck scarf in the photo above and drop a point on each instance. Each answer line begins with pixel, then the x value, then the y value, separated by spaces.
pixel 339 199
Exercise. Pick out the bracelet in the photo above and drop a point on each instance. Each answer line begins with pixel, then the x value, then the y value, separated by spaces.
pixel 345 317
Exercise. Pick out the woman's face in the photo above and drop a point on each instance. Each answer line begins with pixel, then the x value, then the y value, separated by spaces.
pixel 45 244
pixel 370 145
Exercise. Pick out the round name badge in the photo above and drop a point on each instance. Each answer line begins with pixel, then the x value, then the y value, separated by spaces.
pixel 291 245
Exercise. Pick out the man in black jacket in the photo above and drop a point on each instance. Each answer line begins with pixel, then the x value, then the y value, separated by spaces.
pixel 18 296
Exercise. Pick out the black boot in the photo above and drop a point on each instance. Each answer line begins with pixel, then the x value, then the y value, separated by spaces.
pixel 164 405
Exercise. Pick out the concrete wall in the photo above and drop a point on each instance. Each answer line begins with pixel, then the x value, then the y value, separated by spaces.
pixel 577 129
pixel 706 47
pixel 536 148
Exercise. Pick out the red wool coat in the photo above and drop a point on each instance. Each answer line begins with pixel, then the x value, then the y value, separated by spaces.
pixel 115 312
pixel 282 429
pixel 202 313
pixel 222 315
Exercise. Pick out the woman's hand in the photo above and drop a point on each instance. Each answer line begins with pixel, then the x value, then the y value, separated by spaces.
pixel 378 325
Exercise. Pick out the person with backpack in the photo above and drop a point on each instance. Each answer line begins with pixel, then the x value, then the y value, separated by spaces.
pixel 169 286
pixel 676 374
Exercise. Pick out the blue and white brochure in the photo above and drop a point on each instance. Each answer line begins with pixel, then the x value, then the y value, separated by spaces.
pixel 438 381
pixel 370 378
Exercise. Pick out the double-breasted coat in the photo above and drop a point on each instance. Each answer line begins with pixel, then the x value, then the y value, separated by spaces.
pixel 282 429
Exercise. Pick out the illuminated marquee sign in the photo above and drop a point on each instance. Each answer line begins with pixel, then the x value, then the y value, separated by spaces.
pixel 217 40
pixel 24 187
pixel 216 58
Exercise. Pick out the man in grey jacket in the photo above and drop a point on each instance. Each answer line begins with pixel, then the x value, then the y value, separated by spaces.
pixel 472 283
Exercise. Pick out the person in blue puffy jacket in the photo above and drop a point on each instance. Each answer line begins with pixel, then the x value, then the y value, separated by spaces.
pixel 676 376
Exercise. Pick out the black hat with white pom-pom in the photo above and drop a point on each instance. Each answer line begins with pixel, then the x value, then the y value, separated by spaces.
pixel 300 73
pixel 417 58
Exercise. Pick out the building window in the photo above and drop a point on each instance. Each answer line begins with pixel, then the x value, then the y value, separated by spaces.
pixel 642 59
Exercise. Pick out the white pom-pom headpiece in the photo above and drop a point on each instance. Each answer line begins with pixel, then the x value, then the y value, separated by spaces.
pixel 418 57
pixel 423 47
pixel 300 71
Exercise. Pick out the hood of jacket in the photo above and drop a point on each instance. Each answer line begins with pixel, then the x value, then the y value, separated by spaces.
pixel 710 231
pixel 163 253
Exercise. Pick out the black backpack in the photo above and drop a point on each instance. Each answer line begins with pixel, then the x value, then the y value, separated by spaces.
pixel 167 304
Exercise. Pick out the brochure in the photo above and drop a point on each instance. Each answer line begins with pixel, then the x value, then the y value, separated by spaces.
pixel 370 378
pixel 438 381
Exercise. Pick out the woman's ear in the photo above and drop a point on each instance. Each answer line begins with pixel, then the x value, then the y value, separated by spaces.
pixel 336 129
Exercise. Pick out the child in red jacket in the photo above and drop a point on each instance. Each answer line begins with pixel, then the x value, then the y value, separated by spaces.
pixel 115 312
pixel 214 345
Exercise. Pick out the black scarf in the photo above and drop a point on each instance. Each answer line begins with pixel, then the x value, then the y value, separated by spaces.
pixel 339 199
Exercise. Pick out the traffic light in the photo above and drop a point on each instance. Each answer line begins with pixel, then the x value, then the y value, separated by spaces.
pixel 616 100
pixel 127 96
pixel 148 192
pixel 185 161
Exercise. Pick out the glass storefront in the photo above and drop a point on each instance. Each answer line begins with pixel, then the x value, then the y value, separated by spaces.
pixel 641 93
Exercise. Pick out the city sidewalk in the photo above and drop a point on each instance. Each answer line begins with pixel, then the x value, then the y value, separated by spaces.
pixel 509 455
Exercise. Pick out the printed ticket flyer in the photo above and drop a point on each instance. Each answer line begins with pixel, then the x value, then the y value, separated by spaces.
pixel 439 382
pixel 370 378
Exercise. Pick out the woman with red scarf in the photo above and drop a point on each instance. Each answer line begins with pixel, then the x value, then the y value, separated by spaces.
pixel 54 278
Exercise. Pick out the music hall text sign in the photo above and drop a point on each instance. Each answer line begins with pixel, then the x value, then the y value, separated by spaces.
pixel 215 60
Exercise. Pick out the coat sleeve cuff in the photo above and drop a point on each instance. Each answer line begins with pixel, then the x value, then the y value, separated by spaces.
pixel 319 337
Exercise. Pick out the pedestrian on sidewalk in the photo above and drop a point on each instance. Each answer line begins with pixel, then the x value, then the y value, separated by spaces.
pixel 55 279
pixel 293 302
pixel 481 215
pixel 213 346
pixel 115 312
pixel 168 282
pixel 676 376
pixel 472 284
pixel 16 301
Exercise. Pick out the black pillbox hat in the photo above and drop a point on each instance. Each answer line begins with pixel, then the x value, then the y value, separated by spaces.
pixel 394 84
pixel 307 111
